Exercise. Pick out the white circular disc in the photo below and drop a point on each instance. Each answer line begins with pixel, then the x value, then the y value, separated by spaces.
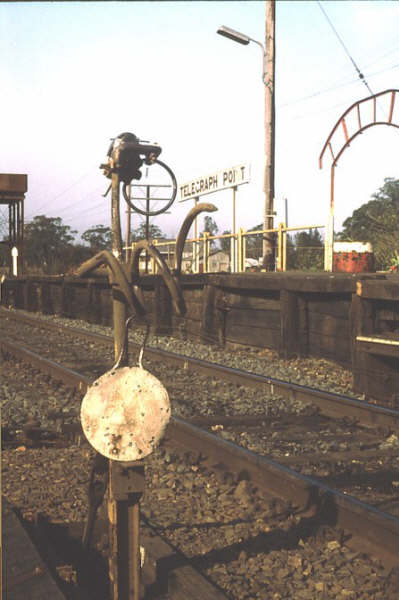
pixel 124 413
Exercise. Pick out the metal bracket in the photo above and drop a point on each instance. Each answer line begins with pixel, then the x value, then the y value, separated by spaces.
pixel 127 480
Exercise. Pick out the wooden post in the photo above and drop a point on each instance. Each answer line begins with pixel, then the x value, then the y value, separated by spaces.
pixel 268 240
pixel 289 325
pixel 208 316
pixel 123 515
pixel 361 322
pixel 303 326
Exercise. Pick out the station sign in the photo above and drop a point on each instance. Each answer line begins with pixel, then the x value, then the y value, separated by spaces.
pixel 215 182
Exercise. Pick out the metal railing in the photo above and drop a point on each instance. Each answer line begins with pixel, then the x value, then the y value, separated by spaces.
pixel 197 257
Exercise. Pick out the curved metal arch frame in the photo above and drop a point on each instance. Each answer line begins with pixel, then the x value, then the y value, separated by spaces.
pixel 348 139
pixel 153 213
pixel 341 121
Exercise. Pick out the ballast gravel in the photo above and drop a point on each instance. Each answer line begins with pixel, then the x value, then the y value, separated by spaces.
pixel 253 547
pixel 314 372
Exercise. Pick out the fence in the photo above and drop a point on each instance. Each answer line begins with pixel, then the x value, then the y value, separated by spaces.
pixel 198 252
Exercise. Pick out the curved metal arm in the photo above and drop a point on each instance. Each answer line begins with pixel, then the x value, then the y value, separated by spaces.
pixel 106 257
pixel 170 282
pixel 185 228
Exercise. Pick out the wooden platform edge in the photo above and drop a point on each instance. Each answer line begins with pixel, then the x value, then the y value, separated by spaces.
pixel 24 574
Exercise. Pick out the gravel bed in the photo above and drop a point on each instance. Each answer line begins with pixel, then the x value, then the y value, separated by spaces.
pixel 190 393
pixel 252 546
pixel 194 394
pixel 314 372
pixel 374 480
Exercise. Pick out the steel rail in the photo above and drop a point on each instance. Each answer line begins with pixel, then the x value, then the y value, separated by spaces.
pixel 376 531
pixel 173 569
pixel 330 403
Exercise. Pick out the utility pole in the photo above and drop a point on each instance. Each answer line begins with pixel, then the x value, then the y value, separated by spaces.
pixel 269 238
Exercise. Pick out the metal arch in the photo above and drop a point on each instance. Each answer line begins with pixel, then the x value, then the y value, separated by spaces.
pixel 171 283
pixel 341 121
pixel 348 139
pixel 153 213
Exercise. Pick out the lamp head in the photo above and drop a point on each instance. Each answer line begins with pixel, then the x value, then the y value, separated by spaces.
pixel 236 36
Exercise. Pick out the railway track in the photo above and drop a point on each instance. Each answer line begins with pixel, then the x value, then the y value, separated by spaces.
pixel 310 501
pixel 331 404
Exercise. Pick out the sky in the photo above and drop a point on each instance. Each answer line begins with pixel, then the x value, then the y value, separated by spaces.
pixel 74 75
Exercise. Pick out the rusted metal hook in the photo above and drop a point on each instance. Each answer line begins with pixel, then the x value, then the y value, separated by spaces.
pixel 125 334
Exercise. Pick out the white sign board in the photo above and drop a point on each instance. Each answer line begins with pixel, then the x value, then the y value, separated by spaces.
pixel 220 180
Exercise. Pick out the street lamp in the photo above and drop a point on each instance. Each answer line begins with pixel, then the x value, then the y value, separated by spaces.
pixel 241 38
pixel 268 66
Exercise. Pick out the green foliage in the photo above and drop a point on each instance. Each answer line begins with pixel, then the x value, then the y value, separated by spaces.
pixel 74 256
pixel 225 242
pixel 98 237
pixel 377 222
pixel 47 244
pixel 140 233
pixel 255 243
pixel 211 227
pixel 305 251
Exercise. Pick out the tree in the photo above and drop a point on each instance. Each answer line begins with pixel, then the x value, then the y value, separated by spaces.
pixel 255 243
pixel 225 243
pixel 305 251
pixel 47 241
pixel 74 255
pixel 140 233
pixel 377 222
pixel 98 237
pixel 211 227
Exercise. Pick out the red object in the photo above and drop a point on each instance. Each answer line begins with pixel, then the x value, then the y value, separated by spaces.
pixel 353 262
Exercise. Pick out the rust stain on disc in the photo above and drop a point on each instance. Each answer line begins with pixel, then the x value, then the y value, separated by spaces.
pixel 124 414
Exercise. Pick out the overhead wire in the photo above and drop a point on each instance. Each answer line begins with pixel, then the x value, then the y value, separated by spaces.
pixel 337 86
pixel 344 83
pixel 360 74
